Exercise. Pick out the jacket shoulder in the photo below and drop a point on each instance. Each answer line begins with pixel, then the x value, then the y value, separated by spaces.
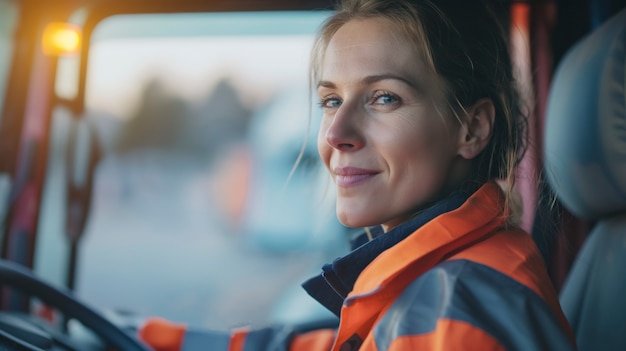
pixel 468 302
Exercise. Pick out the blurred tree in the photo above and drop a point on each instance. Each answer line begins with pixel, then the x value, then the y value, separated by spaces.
pixel 167 123
pixel 157 121
pixel 217 122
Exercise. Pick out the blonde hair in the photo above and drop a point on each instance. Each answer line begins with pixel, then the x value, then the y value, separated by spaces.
pixel 464 43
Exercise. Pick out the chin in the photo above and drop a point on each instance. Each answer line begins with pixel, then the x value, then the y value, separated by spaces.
pixel 352 220
pixel 349 220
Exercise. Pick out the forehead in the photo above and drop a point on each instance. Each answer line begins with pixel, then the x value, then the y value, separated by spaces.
pixel 373 46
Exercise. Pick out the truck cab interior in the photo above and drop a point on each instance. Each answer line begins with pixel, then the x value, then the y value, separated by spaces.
pixel 147 153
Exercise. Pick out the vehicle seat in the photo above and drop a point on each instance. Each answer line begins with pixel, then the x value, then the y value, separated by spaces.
pixel 585 163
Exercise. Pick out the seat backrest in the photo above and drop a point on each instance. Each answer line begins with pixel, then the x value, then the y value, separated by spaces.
pixel 585 163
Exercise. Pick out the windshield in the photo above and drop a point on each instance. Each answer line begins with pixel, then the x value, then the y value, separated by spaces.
pixel 195 216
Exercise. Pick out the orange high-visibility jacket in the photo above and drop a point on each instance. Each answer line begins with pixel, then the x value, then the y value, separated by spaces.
pixel 462 281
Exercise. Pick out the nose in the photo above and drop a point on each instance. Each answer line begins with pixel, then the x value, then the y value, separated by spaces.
pixel 344 131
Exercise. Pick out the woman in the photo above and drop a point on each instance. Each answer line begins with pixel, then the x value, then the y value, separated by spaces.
pixel 420 118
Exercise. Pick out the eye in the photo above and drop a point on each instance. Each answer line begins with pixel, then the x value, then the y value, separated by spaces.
pixel 330 102
pixel 385 98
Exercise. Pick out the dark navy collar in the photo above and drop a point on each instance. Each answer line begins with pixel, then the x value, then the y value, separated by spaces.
pixel 337 279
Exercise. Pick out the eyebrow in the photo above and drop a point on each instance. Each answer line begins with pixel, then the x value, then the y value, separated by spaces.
pixel 373 79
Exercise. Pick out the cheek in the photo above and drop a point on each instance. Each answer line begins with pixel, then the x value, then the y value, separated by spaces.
pixel 419 147
pixel 403 142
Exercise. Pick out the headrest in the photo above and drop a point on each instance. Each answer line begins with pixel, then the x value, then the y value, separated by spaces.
pixel 585 137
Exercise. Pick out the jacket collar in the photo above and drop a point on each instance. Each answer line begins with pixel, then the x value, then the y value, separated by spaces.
pixel 337 279
pixel 380 283
pixel 475 220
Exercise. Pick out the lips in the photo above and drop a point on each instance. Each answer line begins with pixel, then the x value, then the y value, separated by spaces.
pixel 353 176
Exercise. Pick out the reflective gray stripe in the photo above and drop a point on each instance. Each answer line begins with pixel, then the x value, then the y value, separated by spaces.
pixel 266 339
pixel 269 339
pixel 470 292
pixel 205 340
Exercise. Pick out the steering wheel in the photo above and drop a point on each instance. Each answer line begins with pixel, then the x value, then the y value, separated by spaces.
pixel 16 276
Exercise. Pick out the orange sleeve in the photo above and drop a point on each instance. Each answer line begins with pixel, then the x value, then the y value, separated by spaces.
pixel 162 335
pixel 238 339
pixel 318 340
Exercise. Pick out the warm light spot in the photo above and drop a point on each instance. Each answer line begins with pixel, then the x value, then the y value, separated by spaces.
pixel 520 15
pixel 61 38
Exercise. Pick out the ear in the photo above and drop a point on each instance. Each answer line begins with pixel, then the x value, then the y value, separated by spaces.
pixel 476 128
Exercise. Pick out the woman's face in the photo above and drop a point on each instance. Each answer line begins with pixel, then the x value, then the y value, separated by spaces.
pixel 384 138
